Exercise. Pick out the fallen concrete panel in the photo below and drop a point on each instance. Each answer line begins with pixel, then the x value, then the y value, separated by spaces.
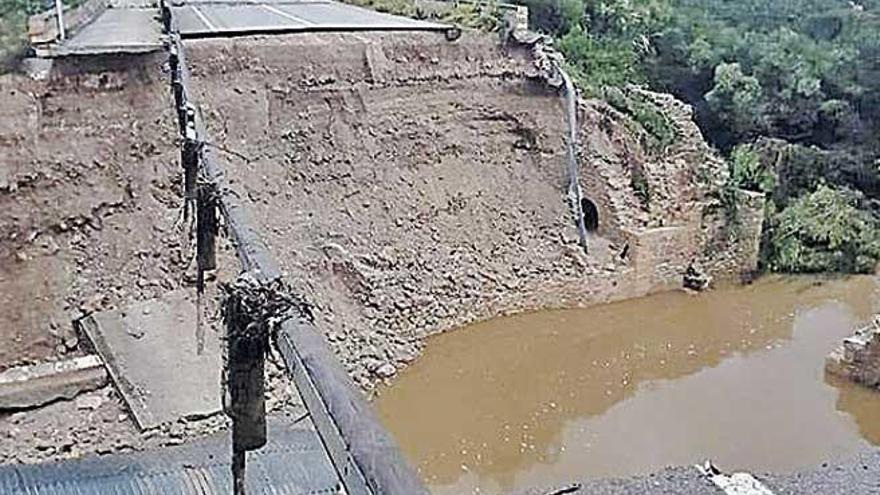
pixel 151 352
pixel 39 384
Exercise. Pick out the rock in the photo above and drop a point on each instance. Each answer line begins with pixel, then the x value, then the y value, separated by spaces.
pixel 858 358
pixel 387 370
pixel 695 278
pixel 89 402
pixel 93 303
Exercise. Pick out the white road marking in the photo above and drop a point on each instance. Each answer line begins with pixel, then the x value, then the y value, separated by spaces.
pixel 285 14
pixel 204 19
pixel 734 484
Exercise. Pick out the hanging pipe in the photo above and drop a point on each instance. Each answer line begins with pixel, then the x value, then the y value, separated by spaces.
pixel 575 194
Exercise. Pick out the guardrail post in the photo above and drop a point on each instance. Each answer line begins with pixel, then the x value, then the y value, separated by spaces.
pixel 206 227
pixel 189 157
pixel 177 87
pixel 247 340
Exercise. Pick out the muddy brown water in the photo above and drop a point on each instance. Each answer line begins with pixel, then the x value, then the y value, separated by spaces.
pixel 735 375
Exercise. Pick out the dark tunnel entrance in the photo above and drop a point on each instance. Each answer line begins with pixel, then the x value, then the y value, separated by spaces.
pixel 591 215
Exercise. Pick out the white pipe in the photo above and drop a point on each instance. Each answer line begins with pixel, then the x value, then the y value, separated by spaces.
pixel 59 16
pixel 575 194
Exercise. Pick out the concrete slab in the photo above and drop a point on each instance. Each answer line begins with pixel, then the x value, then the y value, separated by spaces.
pixel 150 350
pixel 39 384
pixel 128 30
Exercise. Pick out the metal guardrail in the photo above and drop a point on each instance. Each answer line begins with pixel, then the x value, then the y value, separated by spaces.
pixel 361 450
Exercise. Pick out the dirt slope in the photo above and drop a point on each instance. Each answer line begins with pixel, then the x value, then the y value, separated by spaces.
pixel 88 167
pixel 410 185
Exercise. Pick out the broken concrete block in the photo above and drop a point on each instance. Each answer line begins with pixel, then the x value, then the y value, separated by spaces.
pixel 39 384
pixel 154 358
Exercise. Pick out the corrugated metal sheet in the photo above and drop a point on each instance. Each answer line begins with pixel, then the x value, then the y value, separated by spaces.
pixel 293 463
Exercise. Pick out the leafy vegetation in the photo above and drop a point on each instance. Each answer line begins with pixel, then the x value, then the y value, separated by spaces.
pixel 13 20
pixel 788 91
pixel 748 171
pixel 644 114
pixel 483 16
pixel 824 230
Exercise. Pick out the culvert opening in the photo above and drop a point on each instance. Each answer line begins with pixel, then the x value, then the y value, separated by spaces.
pixel 542 399
pixel 591 215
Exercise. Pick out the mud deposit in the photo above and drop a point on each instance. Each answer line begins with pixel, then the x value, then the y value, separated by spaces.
pixel 735 375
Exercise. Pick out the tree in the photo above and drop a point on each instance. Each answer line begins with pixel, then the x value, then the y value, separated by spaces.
pixel 824 230
pixel 600 62
pixel 735 98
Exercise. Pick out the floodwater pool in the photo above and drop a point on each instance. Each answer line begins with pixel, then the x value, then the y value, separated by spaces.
pixel 734 375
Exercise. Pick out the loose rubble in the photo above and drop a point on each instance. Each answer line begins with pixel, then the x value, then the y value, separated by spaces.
pixel 858 359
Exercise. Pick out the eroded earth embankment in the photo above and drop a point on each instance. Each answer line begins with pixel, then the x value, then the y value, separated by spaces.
pixel 409 185
pixel 90 220
pixel 88 205
pixel 88 198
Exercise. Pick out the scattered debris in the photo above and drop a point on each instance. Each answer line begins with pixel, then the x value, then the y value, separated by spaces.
pixel 734 484
pixel 573 488
pixel 89 402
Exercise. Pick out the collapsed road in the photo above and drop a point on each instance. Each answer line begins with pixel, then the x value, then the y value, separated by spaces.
pixel 403 184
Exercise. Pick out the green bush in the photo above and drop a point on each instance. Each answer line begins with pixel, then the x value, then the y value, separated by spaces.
pixel 13 29
pixel 596 63
pixel 644 113
pixel 826 230
pixel 571 13
pixel 734 99
pixel 748 171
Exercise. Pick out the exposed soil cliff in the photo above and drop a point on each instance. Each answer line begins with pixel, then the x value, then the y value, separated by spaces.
pixel 88 171
pixel 89 210
pixel 410 185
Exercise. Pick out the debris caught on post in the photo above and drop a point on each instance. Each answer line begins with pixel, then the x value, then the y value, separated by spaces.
pixel 251 311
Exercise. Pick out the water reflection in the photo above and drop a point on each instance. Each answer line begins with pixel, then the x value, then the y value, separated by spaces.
pixel 734 374
pixel 862 404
